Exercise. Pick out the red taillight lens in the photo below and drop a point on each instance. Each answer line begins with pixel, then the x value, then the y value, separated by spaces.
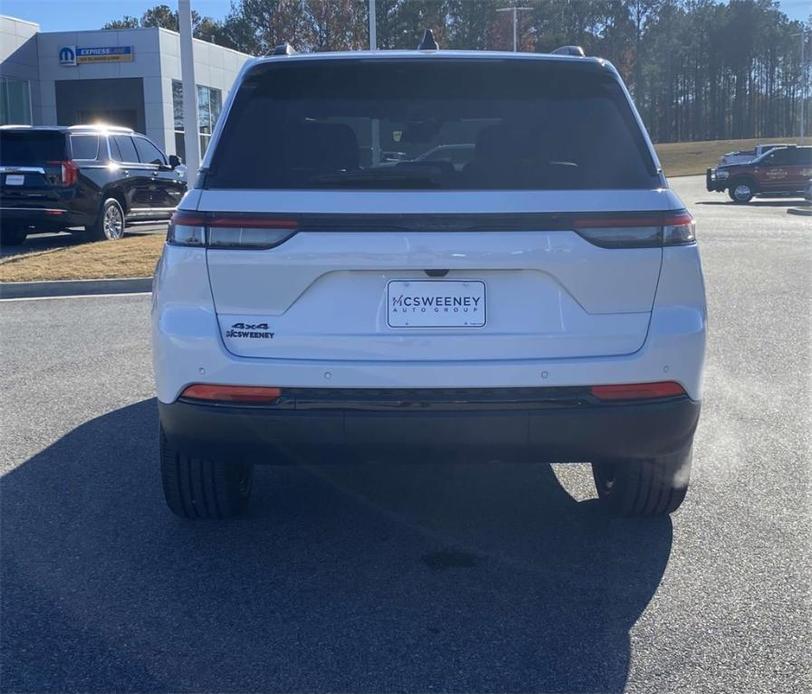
pixel 638 391
pixel 250 394
pixel 636 231
pixel 229 230
pixel 69 172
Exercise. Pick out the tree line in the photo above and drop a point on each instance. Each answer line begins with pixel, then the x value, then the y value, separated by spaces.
pixel 698 69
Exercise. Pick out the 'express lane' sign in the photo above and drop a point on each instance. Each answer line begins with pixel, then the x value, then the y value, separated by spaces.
pixel 70 55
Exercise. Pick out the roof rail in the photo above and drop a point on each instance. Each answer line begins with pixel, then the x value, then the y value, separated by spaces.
pixel 102 126
pixel 283 48
pixel 570 50
pixel 428 43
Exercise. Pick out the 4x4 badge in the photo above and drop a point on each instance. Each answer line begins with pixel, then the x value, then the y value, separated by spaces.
pixel 249 326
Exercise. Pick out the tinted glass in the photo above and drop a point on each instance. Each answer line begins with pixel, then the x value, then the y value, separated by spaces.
pixel 447 124
pixel 804 156
pixel 124 149
pixel 32 147
pixel 84 146
pixel 147 152
pixel 779 157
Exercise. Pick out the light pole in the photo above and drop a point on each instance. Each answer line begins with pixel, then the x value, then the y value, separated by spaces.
pixel 375 125
pixel 515 10
pixel 803 84
pixel 373 27
pixel 187 71
pixel 802 128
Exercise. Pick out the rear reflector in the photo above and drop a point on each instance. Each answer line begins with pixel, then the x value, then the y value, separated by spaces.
pixel 252 394
pixel 638 391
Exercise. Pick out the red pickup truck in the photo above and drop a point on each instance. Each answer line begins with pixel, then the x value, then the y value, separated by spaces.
pixel 781 172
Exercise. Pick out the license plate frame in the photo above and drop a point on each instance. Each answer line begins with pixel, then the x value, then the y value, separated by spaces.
pixel 432 303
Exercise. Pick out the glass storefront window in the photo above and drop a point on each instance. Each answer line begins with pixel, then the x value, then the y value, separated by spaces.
pixel 15 102
pixel 209 105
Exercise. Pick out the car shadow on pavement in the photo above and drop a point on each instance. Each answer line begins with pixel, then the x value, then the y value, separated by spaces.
pixel 355 578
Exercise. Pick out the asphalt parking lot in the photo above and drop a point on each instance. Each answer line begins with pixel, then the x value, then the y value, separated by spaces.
pixel 503 578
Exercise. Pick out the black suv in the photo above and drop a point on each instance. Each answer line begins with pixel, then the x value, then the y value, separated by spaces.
pixel 99 178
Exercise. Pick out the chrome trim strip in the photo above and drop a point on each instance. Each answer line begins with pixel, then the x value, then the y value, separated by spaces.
pixel 33 209
pixel 22 169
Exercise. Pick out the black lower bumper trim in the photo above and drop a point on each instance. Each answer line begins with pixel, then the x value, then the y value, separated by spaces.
pixel 582 431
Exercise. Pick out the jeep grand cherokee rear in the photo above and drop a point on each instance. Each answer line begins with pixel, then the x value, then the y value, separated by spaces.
pixel 540 301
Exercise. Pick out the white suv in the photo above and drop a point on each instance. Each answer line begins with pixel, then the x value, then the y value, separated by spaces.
pixel 541 301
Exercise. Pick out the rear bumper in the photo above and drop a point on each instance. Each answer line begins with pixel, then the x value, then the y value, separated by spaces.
pixel 46 216
pixel 469 428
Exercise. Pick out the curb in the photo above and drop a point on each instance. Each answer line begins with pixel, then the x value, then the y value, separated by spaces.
pixel 28 290
pixel 805 211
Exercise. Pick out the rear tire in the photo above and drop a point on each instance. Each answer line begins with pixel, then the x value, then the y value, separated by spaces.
pixel 110 224
pixel 653 487
pixel 201 487
pixel 13 235
pixel 741 192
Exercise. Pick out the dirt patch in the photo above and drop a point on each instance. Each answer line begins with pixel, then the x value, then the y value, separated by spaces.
pixel 133 256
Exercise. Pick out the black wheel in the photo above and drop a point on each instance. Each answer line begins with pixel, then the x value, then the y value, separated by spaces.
pixel 741 191
pixel 643 487
pixel 203 488
pixel 13 234
pixel 110 224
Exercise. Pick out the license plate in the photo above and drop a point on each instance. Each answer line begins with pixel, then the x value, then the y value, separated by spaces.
pixel 15 180
pixel 435 303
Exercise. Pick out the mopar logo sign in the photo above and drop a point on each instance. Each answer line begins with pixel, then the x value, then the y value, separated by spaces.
pixel 67 55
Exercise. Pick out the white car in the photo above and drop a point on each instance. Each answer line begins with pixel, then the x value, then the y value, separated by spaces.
pixel 544 303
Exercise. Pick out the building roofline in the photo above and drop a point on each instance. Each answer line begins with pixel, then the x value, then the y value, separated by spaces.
pixel 18 19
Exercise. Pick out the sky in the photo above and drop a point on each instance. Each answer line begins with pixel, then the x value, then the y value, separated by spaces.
pixel 77 15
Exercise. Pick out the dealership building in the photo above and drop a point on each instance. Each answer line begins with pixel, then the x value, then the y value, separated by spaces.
pixel 130 77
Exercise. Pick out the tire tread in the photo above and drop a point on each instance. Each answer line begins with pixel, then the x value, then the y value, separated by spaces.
pixel 200 487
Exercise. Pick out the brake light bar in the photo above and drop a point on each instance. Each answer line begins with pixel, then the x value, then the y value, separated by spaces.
pixel 247 394
pixel 638 391
pixel 229 230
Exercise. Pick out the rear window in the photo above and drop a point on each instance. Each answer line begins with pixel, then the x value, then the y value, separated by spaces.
pixel 431 124
pixel 84 146
pixel 31 147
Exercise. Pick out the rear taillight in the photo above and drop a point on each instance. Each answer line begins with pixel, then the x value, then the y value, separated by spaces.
pixel 638 391
pixel 637 231
pixel 69 172
pixel 229 230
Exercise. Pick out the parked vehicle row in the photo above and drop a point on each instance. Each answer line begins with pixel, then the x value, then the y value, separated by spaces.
pixel 781 172
pixel 96 177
